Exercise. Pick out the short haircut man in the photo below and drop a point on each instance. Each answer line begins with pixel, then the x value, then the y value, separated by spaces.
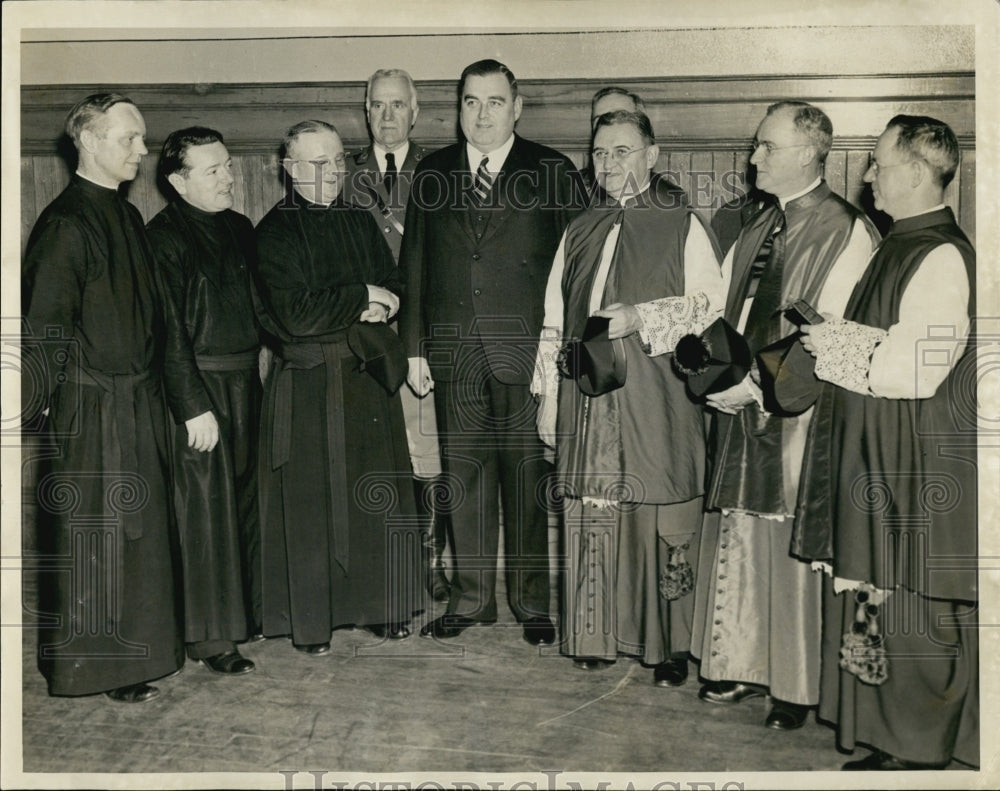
pixel 95 298
pixel 381 175
pixel 896 420
pixel 481 275
pixel 206 256
pixel 645 261
pixel 812 245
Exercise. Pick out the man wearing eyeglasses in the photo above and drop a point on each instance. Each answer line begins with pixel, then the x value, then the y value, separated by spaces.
pixel 895 494
pixel 380 179
pixel 324 266
pixel 631 460
pixel 757 612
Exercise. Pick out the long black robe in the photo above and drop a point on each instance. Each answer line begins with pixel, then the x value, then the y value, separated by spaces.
pixel 339 535
pixel 96 343
pixel 205 263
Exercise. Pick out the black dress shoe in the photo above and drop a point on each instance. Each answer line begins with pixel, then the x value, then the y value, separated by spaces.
pixel 447 626
pixel 314 649
pixel 229 664
pixel 672 673
pixel 539 630
pixel 880 761
pixel 591 663
pixel 786 716
pixel 256 638
pixel 728 692
pixel 390 631
pixel 133 693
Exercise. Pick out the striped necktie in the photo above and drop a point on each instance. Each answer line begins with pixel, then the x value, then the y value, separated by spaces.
pixel 484 182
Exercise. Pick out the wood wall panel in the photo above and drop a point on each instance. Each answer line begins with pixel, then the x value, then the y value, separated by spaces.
pixel 703 127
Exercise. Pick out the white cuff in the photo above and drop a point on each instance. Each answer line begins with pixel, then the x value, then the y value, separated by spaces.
pixel 383 296
pixel 666 320
pixel 844 352
pixel 545 380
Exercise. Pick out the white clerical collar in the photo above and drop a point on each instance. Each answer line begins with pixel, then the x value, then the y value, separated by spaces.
pixel 496 157
pixel 398 154
pixel 925 211
pixel 785 200
pixel 99 184
pixel 623 198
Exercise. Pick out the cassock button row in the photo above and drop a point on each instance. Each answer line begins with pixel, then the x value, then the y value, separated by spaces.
pixel 723 545
pixel 722 560
pixel 718 621
pixel 722 576
pixel 715 653
pixel 717 637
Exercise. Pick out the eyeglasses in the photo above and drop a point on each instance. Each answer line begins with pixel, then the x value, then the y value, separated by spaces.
pixel 875 167
pixel 617 154
pixel 770 148
pixel 340 160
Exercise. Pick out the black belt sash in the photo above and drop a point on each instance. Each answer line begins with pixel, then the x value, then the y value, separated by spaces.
pixel 117 405
pixel 240 361
pixel 303 356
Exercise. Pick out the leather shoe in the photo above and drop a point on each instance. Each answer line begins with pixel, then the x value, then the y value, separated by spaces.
pixel 729 692
pixel 133 693
pixel 538 630
pixel 447 626
pixel 672 673
pixel 314 649
pixel 438 585
pixel 786 716
pixel 390 631
pixel 880 761
pixel 256 638
pixel 229 664
pixel 591 663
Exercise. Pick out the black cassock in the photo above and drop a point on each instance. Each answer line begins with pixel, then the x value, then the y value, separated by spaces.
pixel 339 538
pixel 205 263
pixel 95 355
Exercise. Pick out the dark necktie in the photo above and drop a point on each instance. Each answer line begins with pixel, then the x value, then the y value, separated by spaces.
pixel 389 178
pixel 484 182
pixel 763 325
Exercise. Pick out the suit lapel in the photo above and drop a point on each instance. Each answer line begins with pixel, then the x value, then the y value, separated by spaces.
pixel 512 165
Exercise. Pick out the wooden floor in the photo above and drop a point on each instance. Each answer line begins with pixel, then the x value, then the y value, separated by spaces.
pixel 486 702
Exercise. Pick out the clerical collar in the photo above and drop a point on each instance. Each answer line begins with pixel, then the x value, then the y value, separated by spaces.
pixel 785 200
pixel 399 155
pixel 496 157
pixel 198 214
pixel 919 213
pixel 97 183
pixel 623 199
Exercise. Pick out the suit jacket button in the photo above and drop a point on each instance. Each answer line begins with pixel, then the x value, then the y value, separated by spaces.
pixel 476 256
pixel 477 292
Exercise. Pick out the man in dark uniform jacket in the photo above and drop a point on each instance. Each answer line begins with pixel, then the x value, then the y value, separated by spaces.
pixel 204 252
pixel 337 542
pixel 104 504
pixel 888 496
pixel 380 179
pixel 482 226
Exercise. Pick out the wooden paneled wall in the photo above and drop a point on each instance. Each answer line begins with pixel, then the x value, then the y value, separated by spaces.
pixel 703 126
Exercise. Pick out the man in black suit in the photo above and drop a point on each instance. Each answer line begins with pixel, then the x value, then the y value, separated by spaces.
pixel 380 177
pixel 482 227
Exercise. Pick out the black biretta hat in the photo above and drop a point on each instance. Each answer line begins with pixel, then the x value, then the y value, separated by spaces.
pixel 713 361
pixel 595 362
pixel 380 352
